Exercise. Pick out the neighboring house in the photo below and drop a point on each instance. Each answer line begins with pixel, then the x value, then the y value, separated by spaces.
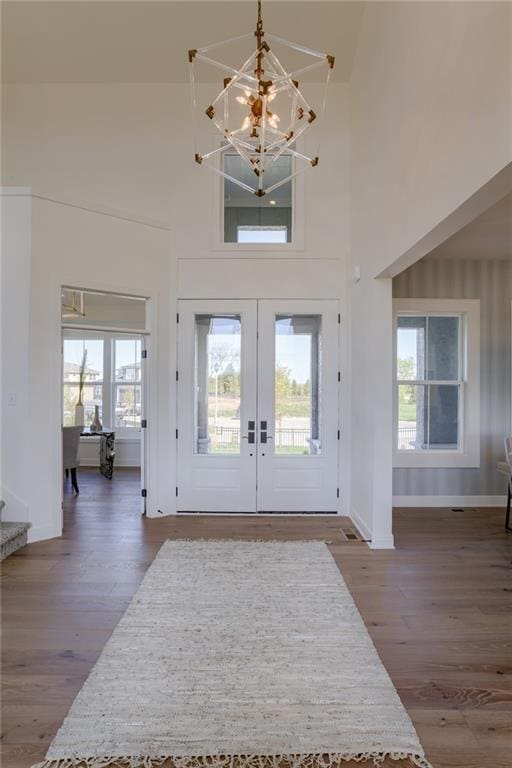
pixel 72 373
pixel 129 372
pixel 92 390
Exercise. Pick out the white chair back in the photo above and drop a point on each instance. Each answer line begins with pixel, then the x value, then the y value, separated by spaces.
pixel 70 447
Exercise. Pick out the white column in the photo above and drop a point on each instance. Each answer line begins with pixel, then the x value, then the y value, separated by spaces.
pixel 372 410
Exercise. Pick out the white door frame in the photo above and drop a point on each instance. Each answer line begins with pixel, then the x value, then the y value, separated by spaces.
pixel 150 333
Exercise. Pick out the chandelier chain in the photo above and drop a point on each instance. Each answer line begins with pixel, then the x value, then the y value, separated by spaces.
pixel 259 24
pixel 274 115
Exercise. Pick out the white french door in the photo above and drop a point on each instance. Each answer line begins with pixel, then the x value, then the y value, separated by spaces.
pixel 297 406
pixel 258 406
pixel 216 403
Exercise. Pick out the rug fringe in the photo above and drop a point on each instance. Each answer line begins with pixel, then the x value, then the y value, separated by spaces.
pixel 204 540
pixel 236 761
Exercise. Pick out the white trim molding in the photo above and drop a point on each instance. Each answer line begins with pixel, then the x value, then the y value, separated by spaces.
pixel 448 501
pixel 374 542
pixel 269 250
pixel 43 532
pixel 16 509
pixel 468 455
pixel 360 525
pixel 382 542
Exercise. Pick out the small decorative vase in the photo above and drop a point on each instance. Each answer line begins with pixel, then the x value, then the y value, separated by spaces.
pixel 96 425
pixel 79 415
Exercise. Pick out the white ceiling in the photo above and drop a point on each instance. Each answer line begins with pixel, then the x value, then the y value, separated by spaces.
pixel 147 41
pixel 487 237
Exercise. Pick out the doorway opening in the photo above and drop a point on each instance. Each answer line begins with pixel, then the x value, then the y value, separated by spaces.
pixel 104 402
pixel 258 393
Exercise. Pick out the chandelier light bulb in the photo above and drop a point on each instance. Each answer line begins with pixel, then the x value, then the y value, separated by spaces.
pixel 262 135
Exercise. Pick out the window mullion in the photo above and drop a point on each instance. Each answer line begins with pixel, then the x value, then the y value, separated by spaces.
pixel 428 417
pixel 107 381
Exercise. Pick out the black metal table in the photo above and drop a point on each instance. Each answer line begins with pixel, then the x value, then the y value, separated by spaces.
pixel 107 449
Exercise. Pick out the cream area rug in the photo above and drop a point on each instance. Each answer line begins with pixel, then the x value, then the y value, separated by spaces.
pixel 238 654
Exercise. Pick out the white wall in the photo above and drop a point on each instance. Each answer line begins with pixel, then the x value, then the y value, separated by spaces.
pixel 130 147
pixel 127 148
pixel 431 109
pixel 429 122
pixel 371 409
pixel 16 235
pixel 76 247
pixel 431 119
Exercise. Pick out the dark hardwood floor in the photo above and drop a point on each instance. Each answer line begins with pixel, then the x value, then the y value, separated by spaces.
pixel 438 609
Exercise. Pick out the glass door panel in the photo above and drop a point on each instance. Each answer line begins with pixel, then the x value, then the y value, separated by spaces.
pixel 217 384
pixel 297 384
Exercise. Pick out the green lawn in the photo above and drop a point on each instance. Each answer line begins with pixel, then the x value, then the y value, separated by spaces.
pixel 407 412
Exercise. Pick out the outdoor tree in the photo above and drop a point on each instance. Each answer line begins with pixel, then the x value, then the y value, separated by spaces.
pixel 128 402
pixel 283 392
pixel 220 356
pixel 406 372
pixel 70 400
pixel 229 381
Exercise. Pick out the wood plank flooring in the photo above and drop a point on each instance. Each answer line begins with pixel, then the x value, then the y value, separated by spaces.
pixel 438 609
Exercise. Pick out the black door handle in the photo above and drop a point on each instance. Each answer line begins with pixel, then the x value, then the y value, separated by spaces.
pixel 251 432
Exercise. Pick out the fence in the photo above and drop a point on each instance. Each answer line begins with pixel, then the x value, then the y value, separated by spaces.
pixel 227 437
pixel 406 436
pixel 292 438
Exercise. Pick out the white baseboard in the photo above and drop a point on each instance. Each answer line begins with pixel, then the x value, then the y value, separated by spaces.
pixel 449 501
pixel 382 542
pixel 15 510
pixel 40 533
pixel 374 542
pixel 360 525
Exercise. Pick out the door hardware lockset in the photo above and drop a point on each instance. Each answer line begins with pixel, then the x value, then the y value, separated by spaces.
pixel 251 433
pixel 264 437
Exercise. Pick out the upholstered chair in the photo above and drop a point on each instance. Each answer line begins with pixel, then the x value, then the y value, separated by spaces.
pixel 70 448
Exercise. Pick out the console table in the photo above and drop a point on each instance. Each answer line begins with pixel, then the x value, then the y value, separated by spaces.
pixel 107 449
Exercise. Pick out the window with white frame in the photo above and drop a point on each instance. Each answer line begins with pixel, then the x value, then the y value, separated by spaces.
pixel 90 353
pixel 112 376
pixel 127 382
pixel 436 383
pixel 249 219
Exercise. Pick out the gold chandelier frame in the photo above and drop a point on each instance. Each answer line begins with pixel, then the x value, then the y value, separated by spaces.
pixel 263 136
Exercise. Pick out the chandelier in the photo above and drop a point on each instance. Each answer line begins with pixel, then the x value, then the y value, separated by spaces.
pixel 260 112
pixel 75 307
